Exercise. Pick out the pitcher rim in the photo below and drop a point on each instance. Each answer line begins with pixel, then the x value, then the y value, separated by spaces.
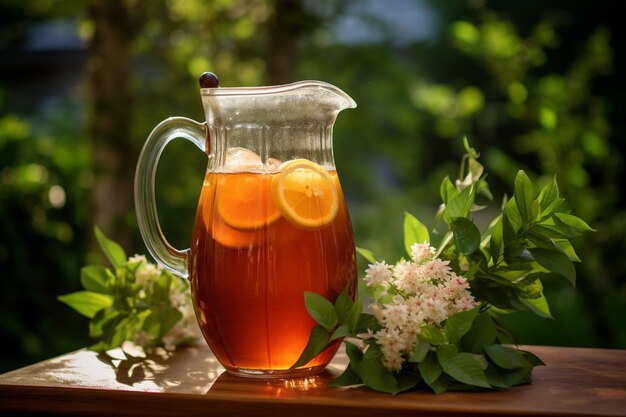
pixel 276 89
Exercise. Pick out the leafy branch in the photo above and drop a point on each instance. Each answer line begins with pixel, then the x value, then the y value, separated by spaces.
pixel 133 301
pixel 459 342
pixel 529 240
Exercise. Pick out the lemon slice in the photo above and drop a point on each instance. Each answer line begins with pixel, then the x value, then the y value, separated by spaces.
pixel 305 194
pixel 244 201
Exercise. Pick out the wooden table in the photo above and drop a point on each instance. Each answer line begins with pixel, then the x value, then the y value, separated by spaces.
pixel 190 382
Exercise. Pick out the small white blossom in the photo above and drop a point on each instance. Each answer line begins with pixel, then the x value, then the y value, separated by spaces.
pixel 146 273
pixel 394 316
pixel 390 343
pixel 377 274
pixel 137 259
pixel 422 252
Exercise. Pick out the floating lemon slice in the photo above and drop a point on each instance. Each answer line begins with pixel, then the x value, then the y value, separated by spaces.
pixel 305 194
pixel 244 201
pixel 233 238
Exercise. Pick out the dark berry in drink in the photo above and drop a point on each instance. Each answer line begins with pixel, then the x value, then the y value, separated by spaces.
pixel 209 80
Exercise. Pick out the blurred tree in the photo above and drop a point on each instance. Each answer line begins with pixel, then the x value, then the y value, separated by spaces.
pixel 109 72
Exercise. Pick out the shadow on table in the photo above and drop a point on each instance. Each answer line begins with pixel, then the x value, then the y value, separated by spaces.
pixel 190 369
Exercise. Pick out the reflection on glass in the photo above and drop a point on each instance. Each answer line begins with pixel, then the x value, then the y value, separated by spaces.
pixel 274 388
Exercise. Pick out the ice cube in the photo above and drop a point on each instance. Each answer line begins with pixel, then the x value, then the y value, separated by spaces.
pixel 242 159
pixel 272 164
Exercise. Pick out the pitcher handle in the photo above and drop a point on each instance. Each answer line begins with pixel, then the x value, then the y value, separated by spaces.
pixel 165 254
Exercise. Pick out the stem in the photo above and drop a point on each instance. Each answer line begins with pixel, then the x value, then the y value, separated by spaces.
pixel 444 243
pixel 462 167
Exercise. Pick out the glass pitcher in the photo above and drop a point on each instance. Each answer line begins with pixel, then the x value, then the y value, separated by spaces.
pixel 271 221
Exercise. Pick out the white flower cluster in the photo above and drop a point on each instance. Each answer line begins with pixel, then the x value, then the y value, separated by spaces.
pixel 180 298
pixel 411 294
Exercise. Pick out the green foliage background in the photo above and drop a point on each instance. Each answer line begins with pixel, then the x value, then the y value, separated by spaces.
pixel 533 85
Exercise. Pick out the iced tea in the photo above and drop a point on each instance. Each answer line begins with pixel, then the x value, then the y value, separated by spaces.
pixel 252 261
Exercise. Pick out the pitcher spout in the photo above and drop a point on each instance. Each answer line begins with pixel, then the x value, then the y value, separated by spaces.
pixel 341 99
pixel 303 100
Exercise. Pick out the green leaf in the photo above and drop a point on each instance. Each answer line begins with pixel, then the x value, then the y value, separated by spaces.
pixel 513 275
pixel 524 196
pixel 532 358
pixel 571 225
pixel 318 340
pixel 407 379
pixel 95 278
pixel 367 254
pixel 458 324
pixel 440 385
pixel 459 205
pixel 468 149
pixel 512 214
pixel 549 193
pixel 432 335
pixel 414 232
pixel 466 235
pixel 556 262
pixel 169 317
pixel 538 305
pixel 505 357
pixel 366 322
pixel 447 190
pixel 114 252
pixel 553 206
pixel 482 188
pixel 110 327
pixel 446 352
pixel 87 303
pixel 495 294
pixel 495 378
pixel 517 376
pixel 531 288
pixel 152 325
pixel 429 368
pixel 546 232
pixel 322 310
pixel 466 368
pixel 507 378
pixel 535 211
pixel 496 241
pixel 370 369
pixel 343 306
pixel 355 314
pixel 483 332
pixel 160 321
pixel 341 331
pixel 476 169
pixel 101 320
pixel 565 247
pixel 420 351
pixel 347 378
pixel 120 333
